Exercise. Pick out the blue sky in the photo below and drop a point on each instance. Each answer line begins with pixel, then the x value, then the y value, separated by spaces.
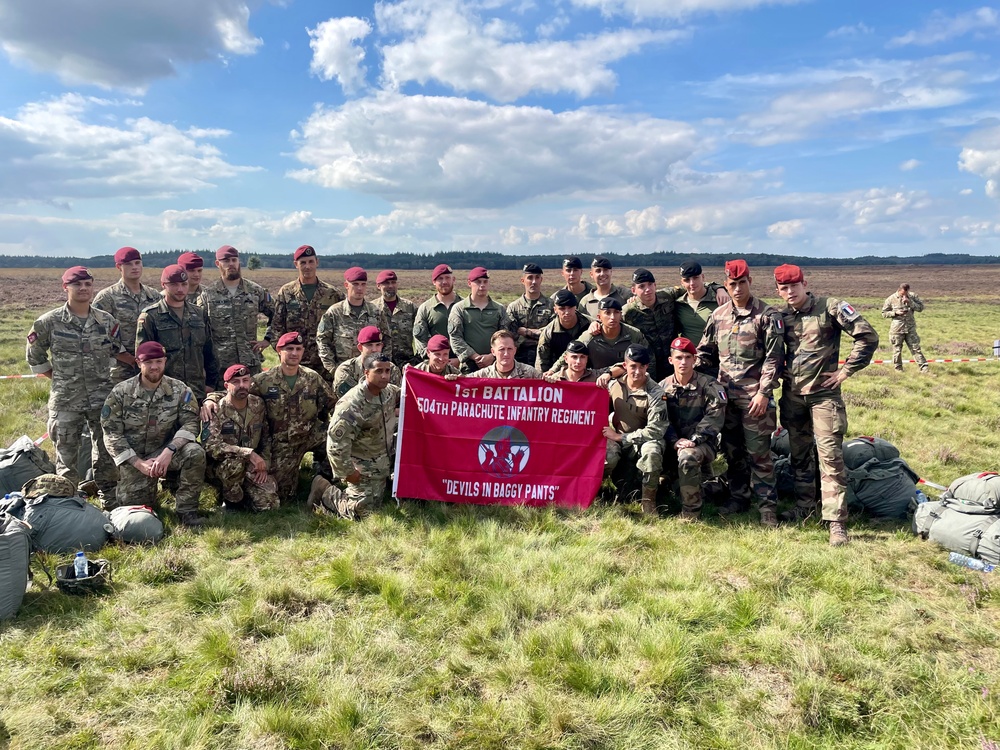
pixel 827 129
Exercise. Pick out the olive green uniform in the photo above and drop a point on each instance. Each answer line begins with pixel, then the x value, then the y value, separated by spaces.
pixel 656 323
pixel 604 352
pixel 187 338
pixel 337 335
pixel 125 307
pixel 531 314
pixel 232 435
pixel 641 416
pixel 294 311
pixel 233 317
pixel 431 320
pixel 589 302
pixel 470 329
pixel 587 289
pixel 553 340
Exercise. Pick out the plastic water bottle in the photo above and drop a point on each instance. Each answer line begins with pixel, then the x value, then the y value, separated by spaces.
pixel 921 497
pixel 80 566
pixel 970 562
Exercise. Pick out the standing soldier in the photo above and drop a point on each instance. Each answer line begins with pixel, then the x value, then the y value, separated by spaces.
pixel 600 272
pixel 194 265
pixel 125 299
pixel 608 345
pixel 899 308
pixel 82 340
pixel 472 322
pixel 438 357
pixel 745 338
pixel 696 408
pixel 150 428
pixel 360 444
pixel 352 372
pixel 569 325
pixel 653 316
pixel 572 272
pixel 503 347
pixel 300 304
pixel 238 446
pixel 337 335
pixel 432 315
pixel 401 314
pixel 183 329
pixel 812 406
pixel 638 422
pixel 694 302
pixel 233 305
pixel 529 313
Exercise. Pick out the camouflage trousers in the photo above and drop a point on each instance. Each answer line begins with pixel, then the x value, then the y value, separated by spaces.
pixel 913 342
pixel 187 471
pixel 286 457
pixel 233 479
pixel 66 430
pixel 818 422
pixel 746 443
pixel 648 459
pixel 362 499
pixel 691 465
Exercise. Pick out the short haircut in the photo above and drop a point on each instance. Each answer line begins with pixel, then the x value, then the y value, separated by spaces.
pixel 904 286
pixel 373 359
pixel 502 334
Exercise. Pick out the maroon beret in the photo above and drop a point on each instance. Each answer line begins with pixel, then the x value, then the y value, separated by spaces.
pixel 303 251
pixel 440 268
pixel 150 350
pixel 788 274
pixel 292 337
pixel 384 276
pixel 173 275
pixel 682 344
pixel 438 343
pixel 355 273
pixel 126 255
pixel 478 273
pixel 189 261
pixel 369 335
pixel 76 273
pixel 737 269
pixel 226 251
pixel 235 371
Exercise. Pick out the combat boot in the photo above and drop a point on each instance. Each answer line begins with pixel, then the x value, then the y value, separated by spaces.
pixel 768 518
pixel 689 516
pixel 319 486
pixel 190 518
pixel 838 533
pixel 649 501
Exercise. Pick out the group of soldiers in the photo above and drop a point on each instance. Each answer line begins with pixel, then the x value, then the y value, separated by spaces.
pixel 169 381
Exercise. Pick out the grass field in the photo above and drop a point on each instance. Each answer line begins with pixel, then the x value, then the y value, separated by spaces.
pixel 473 627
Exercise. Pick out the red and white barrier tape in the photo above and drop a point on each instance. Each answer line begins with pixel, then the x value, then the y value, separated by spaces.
pixel 931 484
pixel 41 440
pixel 19 377
pixel 913 361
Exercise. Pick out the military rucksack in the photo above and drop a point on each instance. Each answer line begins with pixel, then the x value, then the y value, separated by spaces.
pixel 21 462
pixel 978 491
pixel 878 480
pixel 135 524
pixel 59 519
pixel 15 559
pixel 861 450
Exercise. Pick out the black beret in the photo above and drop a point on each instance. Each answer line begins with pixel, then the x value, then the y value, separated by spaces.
pixel 609 303
pixel 565 298
pixel 531 268
pixel 642 276
pixel 577 347
pixel 600 262
pixel 690 268
pixel 638 353
pixel 571 261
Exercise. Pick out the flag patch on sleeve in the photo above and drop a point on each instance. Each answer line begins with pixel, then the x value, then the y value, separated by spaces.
pixel 32 337
pixel 849 312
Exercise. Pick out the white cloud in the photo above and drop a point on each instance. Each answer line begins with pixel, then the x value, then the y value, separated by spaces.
pixel 456 152
pixel 335 54
pixel 880 205
pixel 943 28
pixel 54 151
pixel 909 165
pixel 122 43
pixel 965 191
pixel 673 8
pixel 786 230
pixel 981 156
pixel 858 29
pixel 446 42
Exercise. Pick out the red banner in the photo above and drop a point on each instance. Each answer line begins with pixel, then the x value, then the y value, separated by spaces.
pixel 511 442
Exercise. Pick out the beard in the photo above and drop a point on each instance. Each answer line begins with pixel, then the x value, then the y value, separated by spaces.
pixel 233 274
pixel 242 393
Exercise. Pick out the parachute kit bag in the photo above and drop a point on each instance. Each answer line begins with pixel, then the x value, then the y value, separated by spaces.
pixel 15 559
pixel 967 517
pixel 22 461
pixel 136 524
pixel 878 480
pixel 60 520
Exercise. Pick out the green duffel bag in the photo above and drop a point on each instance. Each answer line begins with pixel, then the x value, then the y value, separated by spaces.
pixel 861 450
pixel 15 559
pixel 947 523
pixel 924 516
pixel 21 462
pixel 989 545
pixel 979 493
pixel 136 524
pixel 780 443
pixel 883 489
pixel 60 520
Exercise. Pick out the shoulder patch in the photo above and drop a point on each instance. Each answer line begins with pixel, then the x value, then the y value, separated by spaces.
pixel 722 395
pixel 106 411
pixel 779 323
pixel 848 311
pixel 114 330
pixel 32 337
pixel 187 396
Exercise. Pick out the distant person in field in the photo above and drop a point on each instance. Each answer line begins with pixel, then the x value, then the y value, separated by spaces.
pixel 568 325
pixel 74 346
pixel 432 315
pixel 438 359
pixel 899 308
pixel 473 321
pixel 572 273
pixel 529 313
pixel 812 406
pixel 601 272
pixel 402 314
pixel 125 299
pixel 194 266
pixel 337 334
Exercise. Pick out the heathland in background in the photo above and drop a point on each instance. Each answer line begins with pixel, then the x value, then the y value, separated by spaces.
pixel 472 627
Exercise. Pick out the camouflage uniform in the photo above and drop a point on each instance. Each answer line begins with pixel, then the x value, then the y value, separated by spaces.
pixel 603 353
pixel 554 339
pixel 641 417
pixel 656 323
pixel 401 322
pixel 139 423
pixel 587 289
pixel 352 372
pixel 231 438
pixel 904 328
pixel 118 300
pixel 293 311
pixel 697 412
pixel 431 320
pixel 82 354
pixel 449 369
pixel 534 314
pixel 233 318
pixel 188 340
pixel 749 347
pixel 814 416
pixel 361 437
pixel 520 370
pixel 588 303
pixel 337 335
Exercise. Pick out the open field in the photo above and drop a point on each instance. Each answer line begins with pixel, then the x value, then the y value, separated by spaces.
pixel 450 627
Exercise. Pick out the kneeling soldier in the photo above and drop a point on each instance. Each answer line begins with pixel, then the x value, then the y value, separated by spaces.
pixel 150 426
pixel 238 446
pixel 438 352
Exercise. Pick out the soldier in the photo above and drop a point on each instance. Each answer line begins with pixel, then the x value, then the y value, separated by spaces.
pixel 194 265
pixel 299 305
pixel 82 340
pixel 638 422
pixel 233 305
pixel 572 271
pixel 694 301
pixel 653 316
pixel 401 313
pixel 438 357
pixel 745 338
pixel 472 321
pixel 612 338
pixel 503 347
pixel 899 308
pixel 600 272
pixel 812 407
pixel 183 329
pixel 569 324
pixel 360 444
pixel 577 368
pixel 352 372
pixel 432 315
pixel 337 335
pixel 150 428
pixel 125 299
pixel 238 446
pixel 696 408
pixel 529 313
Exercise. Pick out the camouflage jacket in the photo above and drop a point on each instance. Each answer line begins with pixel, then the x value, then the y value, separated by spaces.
pixel 337 335
pixel 293 312
pixel 520 370
pixel 298 414
pixel 748 345
pixel 139 422
pixel 900 311
pixel 232 434
pixel 604 353
pixel 696 411
pixel 234 320
pixel 363 427
pixel 587 289
pixel 640 415
pixel 401 321
pixel 449 369
pixel 118 300
pixel 431 320
pixel 470 328
pixel 81 356
pixel 352 372
pixel 588 303
pixel 554 339
pixel 656 323
pixel 187 338
pixel 812 344
pixel 533 315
